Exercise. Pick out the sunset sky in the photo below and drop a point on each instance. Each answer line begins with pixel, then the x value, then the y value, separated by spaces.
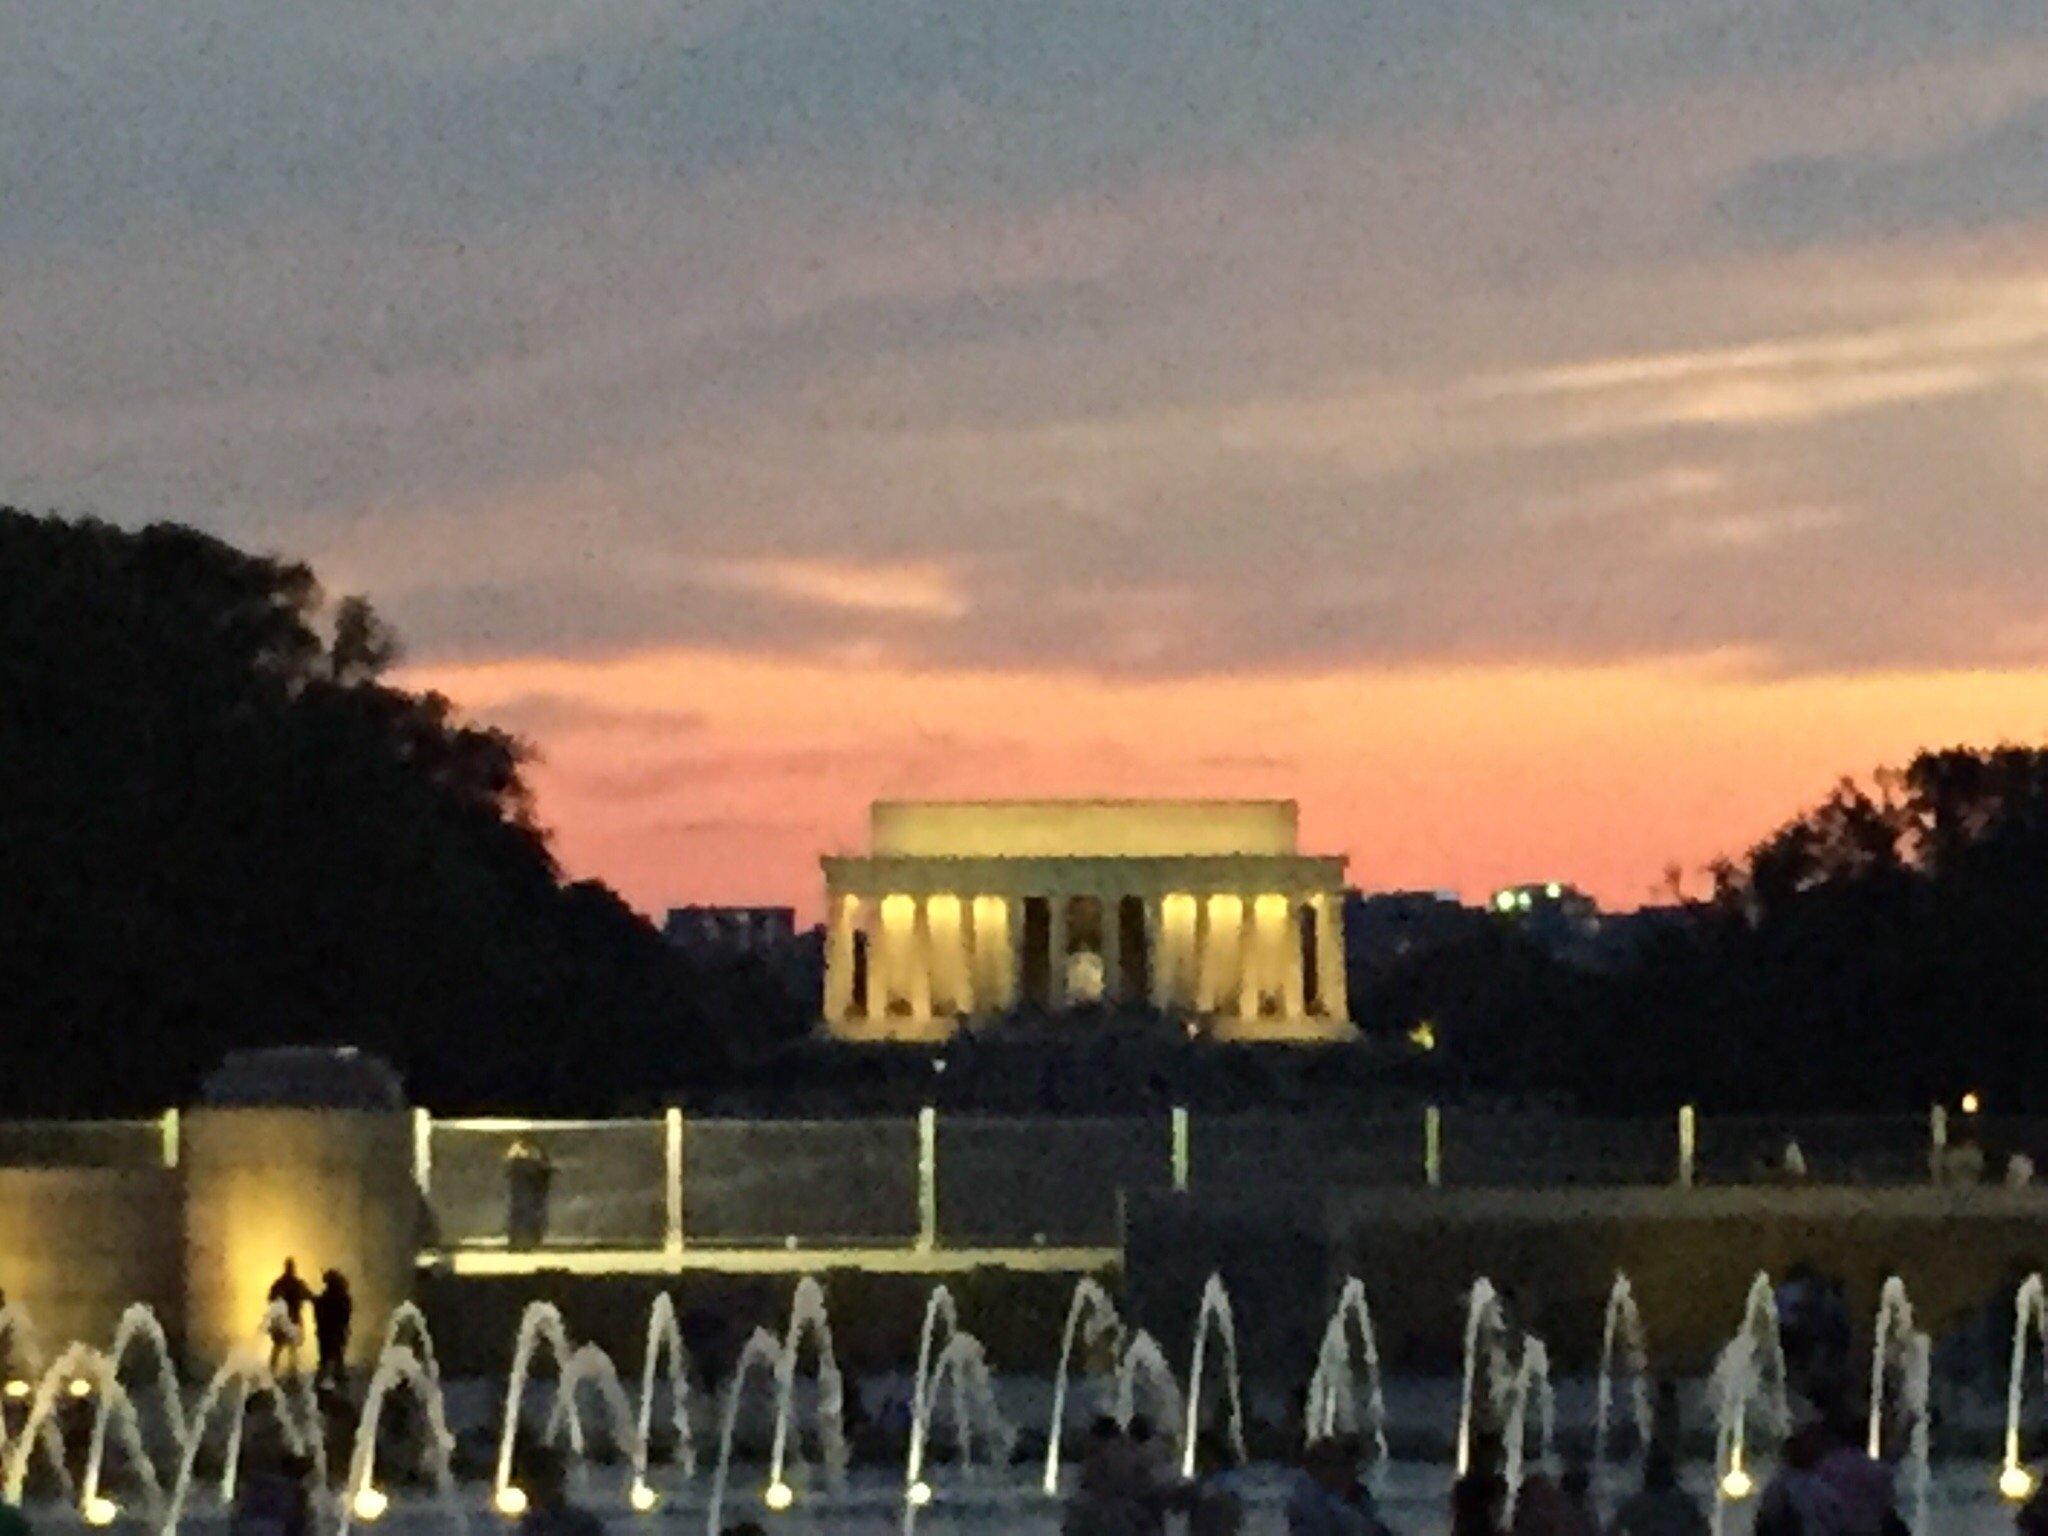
pixel 1548 438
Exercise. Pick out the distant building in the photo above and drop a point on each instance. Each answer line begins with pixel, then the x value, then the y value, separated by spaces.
pixel 1383 928
pixel 976 910
pixel 742 930
pixel 1561 918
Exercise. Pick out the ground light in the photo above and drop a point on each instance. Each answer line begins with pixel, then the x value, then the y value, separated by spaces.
pixel 779 1496
pixel 1972 1103
pixel 1737 1485
pixel 920 1494
pixel 2016 1483
pixel 100 1510
pixel 17 1389
pixel 642 1497
pixel 370 1502
pixel 80 1387
pixel 510 1501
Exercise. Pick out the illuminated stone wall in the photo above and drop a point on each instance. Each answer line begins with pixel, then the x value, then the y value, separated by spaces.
pixel 77 1245
pixel 330 1188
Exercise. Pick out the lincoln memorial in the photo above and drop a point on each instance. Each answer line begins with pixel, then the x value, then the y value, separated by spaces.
pixel 1204 909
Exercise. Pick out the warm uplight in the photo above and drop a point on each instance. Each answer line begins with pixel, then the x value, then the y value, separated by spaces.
pixel 779 1496
pixel 1737 1485
pixel 2016 1483
pixel 641 1497
pixel 100 1510
pixel 511 1501
pixel 80 1387
pixel 1971 1103
pixel 370 1502
pixel 17 1389
pixel 920 1494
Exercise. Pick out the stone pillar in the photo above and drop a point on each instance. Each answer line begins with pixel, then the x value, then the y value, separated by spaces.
pixel 1200 998
pixel 969 946
pixel 1112 909
pixel 919 960
pixel 1293 979
pixel 1013 915
pixel 881 958
pixel 1248 959
pixel 1056 952
pixel 1160 978
pixel 1330 957
pixel 841 919
pixel 303 1154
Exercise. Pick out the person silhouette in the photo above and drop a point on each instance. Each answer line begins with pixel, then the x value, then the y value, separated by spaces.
pixel 287 1312
pixel 333 1313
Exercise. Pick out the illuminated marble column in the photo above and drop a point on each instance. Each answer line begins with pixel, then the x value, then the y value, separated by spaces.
pixel 967 935
pixel 1159 978
pixel 1293 979
pixel 1201 997
pixel 1056 953
pixel 844 920
pixel 882 947
pixel 1248 959
pixel 1112 910
pixel 1331 984
pixel 1019 961
pixel 919 959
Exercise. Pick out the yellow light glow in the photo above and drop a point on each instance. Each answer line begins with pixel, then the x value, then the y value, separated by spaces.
pixel 100 1510
pixel 370 1502
pixel 80 1387
pixel 920 1494
pixel 641 1497
pixel 1737 1485
pixel 1971 1103
pixel 17 1389
pixel 2016 1483
pixel 1423 1036
pixel 779 1496
pixel 511 1501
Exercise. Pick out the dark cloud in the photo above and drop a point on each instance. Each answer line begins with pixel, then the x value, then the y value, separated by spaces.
pixel 1992 178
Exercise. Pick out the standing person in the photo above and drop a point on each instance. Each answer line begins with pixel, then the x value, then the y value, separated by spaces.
pixel 287 1302
pixel 333 1313
pixel 528 1175
pixel 1328 1497
pixel 1661 1508
pixel 1798 1502
pixel 548 1510
pixel 274 1500
pixel 1861 1484
pixel 1102 1502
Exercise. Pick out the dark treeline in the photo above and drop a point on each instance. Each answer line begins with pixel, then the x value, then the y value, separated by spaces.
pixel 219 827
pixel 1885 950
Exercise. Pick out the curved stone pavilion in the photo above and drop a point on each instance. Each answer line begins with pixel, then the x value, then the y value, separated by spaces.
pixel 971 910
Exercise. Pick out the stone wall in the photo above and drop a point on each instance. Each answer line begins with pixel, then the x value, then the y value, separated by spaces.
pixel 77 1245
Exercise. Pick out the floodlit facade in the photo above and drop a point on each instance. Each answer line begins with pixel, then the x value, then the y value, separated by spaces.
pixel 972 910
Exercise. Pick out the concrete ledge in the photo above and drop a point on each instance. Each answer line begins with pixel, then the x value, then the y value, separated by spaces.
pixel 768 1261
pixel 1716 1202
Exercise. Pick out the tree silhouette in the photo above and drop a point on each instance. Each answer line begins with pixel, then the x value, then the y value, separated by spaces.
pixel 220 826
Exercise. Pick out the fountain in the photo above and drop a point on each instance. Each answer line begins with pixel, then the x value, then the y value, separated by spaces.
pixel 664 1344
pixel 1091 1309
pixel 1143 1357
pixel 541 1323
pixel 2030 1313
pixel 1215 1308
pixel 963 1365
pixel 21 1347
pixel 807 1319
pixel 1531 1381
pixel 1892 1343
pixel 590 1367
pixel 245 1370
pixel 1485 1330
pixel 1622 1331
pixel 363 1499
pixel 408 1326
pixel 1332 1406
pixel 762 1351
